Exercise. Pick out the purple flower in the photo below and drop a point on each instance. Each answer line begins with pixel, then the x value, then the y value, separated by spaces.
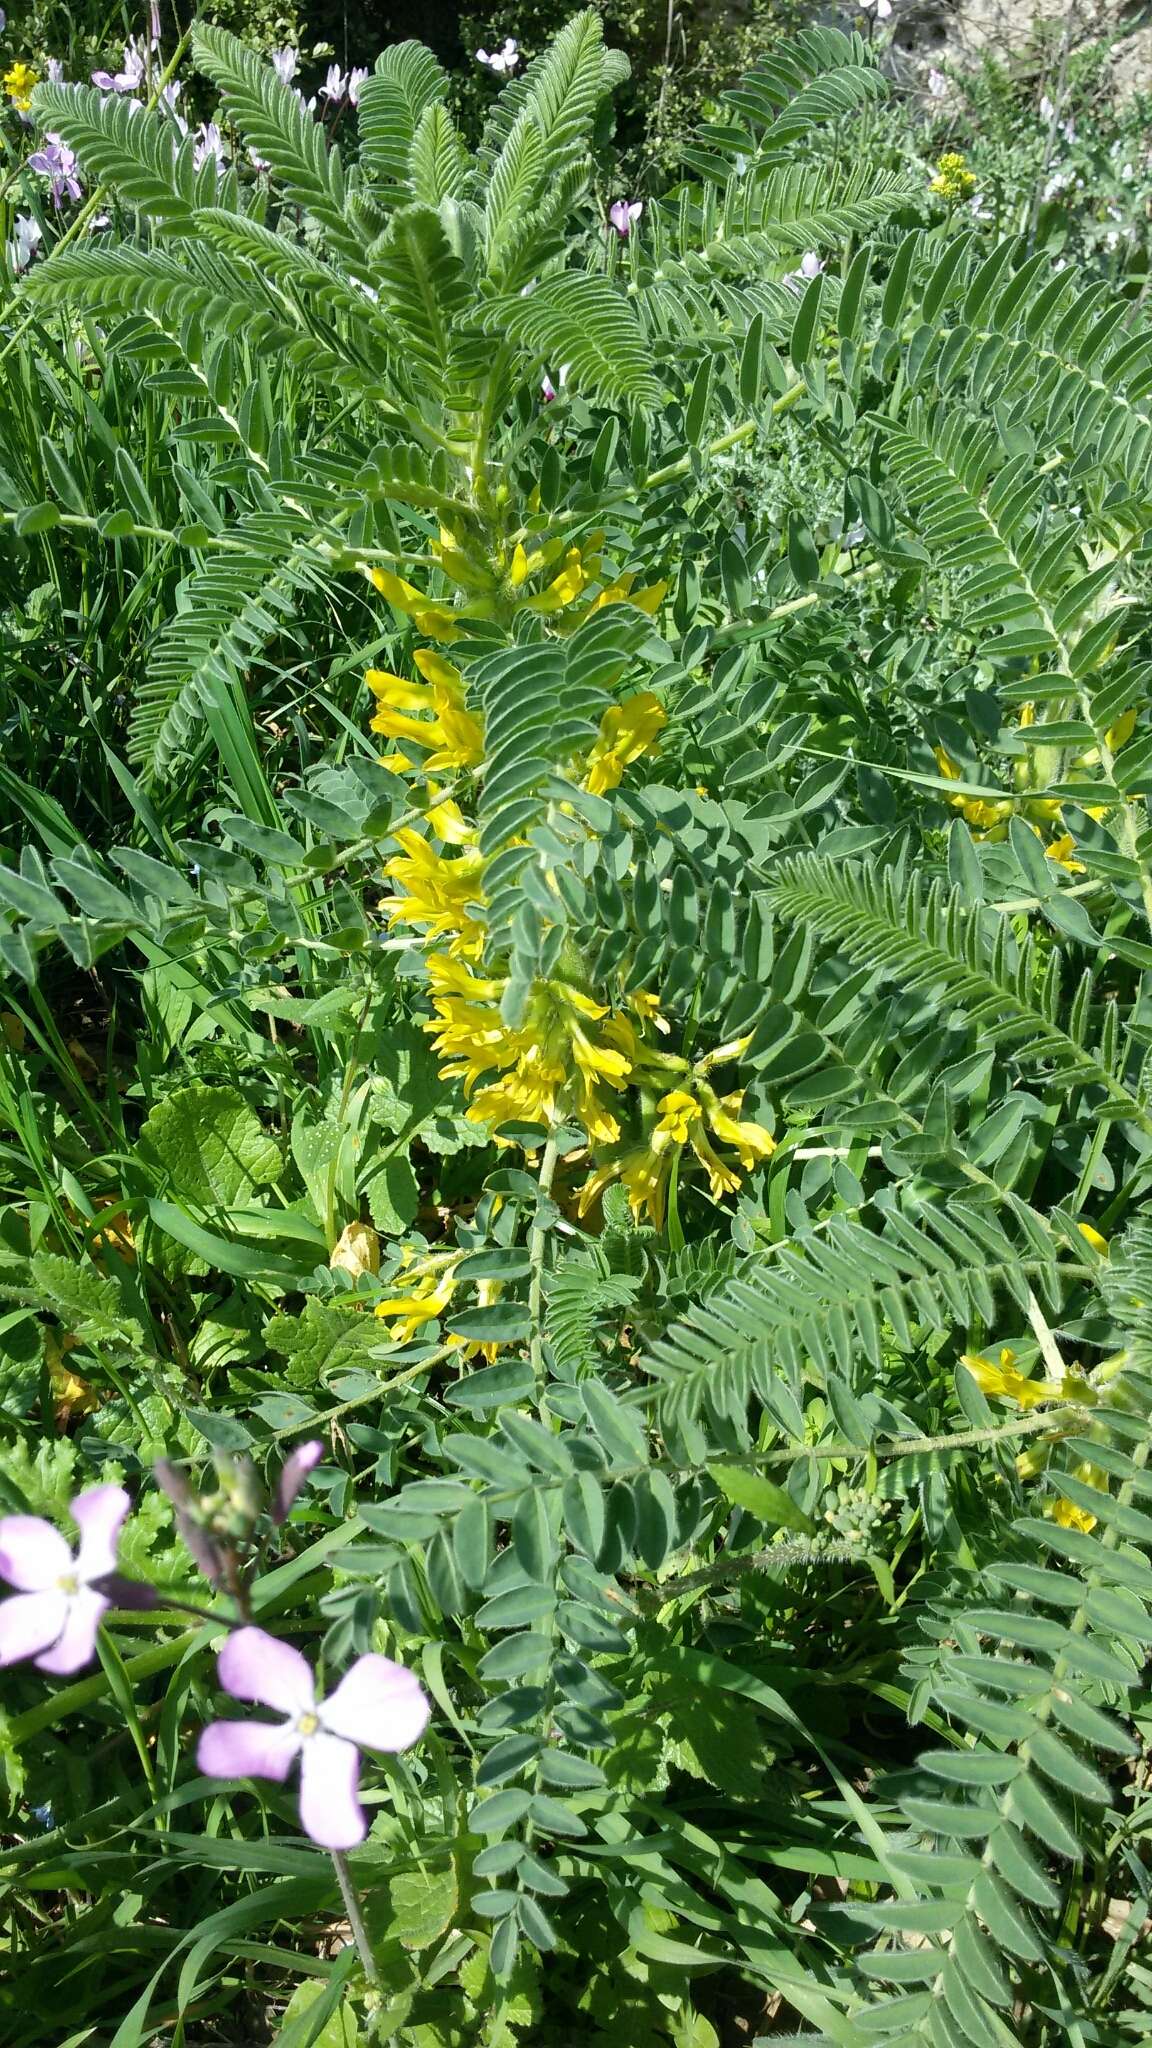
pixel 293 1472
pixel 335 85
pixel 356 77
pixel 377 1705
pixel 623 213
pixel 55 1613
pixel 284 64
pixel 810 266
pixel 57 162
pixel 130 77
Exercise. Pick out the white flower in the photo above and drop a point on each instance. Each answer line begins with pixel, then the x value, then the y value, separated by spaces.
pixel 127 79
pixel 54 71
pixel 356 77
pixel 937 84
pixel 209 143
pixel 1046 109
pixel 284 64
pixel 1128 172
pixel 504 60
pixel 26 239
pixel 334 85
pixel 810 266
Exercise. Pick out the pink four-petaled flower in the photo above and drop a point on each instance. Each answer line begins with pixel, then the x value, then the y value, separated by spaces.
pixel 55 1613
pixel 623 215
pixel 377 1705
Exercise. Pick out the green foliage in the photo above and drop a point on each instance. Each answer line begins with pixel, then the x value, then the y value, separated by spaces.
pixel 669 1108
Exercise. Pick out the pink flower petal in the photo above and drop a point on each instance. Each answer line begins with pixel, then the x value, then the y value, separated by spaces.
pixel 294 1471
pixel 247 1749
pixel 379 1704
pixel 33 1555
pixel 254 1666
pixel 98 1513
pixel 30 1622
pixel 329 1777
pixel 77 1644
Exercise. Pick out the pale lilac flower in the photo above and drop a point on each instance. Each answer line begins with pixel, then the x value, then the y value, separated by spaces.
pixel 810 266
pixel 1046 109
pixel 127 79
pixel 57 162
pixel 258 162
pixel 937 84
pixel 209 143
pixel 335 85
pixel 154 24
pixel 623 214
pixel 293 1473
pixel 26 239
pixel 377 1705
pixel 54 71
pixel 309 106
pixel 500 61
pixel 356 77
pixel 1127 173
pixel 550 391
pixel 881 8
pixel 3 21
pixel 284 64
pixel 56 1610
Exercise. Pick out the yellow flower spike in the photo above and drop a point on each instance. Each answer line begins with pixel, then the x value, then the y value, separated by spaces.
pixel 626 731
pixel 953 179
pixel 19 82
pixel 1119 734
pixel 1092 1236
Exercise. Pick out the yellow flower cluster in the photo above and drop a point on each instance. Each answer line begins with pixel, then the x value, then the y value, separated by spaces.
pixel 19 81
pixel 953 179
pixel 684 1116
pixel 1006 1382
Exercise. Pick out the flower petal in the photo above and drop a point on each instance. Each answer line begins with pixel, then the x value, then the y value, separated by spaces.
pixel 77 1644
pixel 247 1749
pixel 33 1555
pixel 30 1622
pixel 98 1513
pixel 330 1811
pixel 379 1704
pixel 254 1666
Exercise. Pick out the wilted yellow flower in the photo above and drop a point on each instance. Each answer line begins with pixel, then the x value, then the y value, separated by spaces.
pixel 19 81
pixel 1119 734
pixel 953 179
pixel 356 1251
pixel 626 731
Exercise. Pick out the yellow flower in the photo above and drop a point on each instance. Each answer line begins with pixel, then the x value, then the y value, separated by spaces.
pixel 1061 851
pixel 1118 735
pixel 442 723
pixel 437 621
pixel 550 1065
pixel 18 84
pixel 953 179
pixel 979 811
pixel 683 1118
pixel 1065 1512
pixel 1006 1383
pixel 425 1287
pixel 626 731
pixel 440 894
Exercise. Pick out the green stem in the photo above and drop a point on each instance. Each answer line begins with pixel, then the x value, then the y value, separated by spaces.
pixel 537 1242
pixel 355 1917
